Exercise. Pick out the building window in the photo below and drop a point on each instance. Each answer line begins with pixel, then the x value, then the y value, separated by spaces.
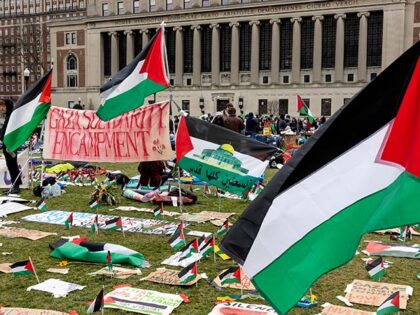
pixel 286 79
pixel 374 39
pixel 71 71
pixel 136 6
pixel 188 50
pixel 329 33
pixel 265 45
pixel 328 78
pixel 373 76
pixel 205 3
pixel 186 106
pixel 170 48
pixel 206 47
pixel 307 43
pixel 350 77
pixel 262 106
pixel 105 9
pixel 306 78
pixel 225 47
pixel 286 42
pixel 283 106
pixel 169 6
pixel 187 4
pixel 68 40
pixel 351 40
pixel 152 5
pixel 120 8
pixel 245 47
pixel 73 38
pixel 326 107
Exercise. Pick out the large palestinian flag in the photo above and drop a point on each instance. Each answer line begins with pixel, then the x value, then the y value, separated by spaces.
pixel 31 108
pixel 78 249
pixel 357 174
pixel 145 75
pixel 219 156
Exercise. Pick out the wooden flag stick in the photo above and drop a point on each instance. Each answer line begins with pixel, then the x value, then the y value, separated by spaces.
pixel 242 285
pixel 103 305
pixel 122 229
pixel 214 249
pixel 179 189
pixel 37 279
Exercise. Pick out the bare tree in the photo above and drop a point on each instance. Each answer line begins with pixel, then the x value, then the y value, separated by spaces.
pixel 273 108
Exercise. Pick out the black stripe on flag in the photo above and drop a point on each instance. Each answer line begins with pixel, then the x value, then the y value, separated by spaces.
pixel 174 236
pixel 374 264
pixel 19 264
pixel 187 269
pixel 229 271
pixel 98 302
pixel 112 221
pixel 206 131
pixel 367 112
pixel 128 69
pixel 33 91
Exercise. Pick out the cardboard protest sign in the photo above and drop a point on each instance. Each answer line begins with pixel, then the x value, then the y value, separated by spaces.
pixel 375 293
pixel 117 272
pixel 392 250
pixel 33 235
pixel 142 301
pixel 12 207
pixel 205 216
pixel 330 309
pixel 4 199
pixel 131 208
pixel 246 283
pixel 83 219
pixel 61 271
pixel 57 288
pixel 167 276
pixel 174 260
pixel 5 268
pixel 237 308
pixel 79 135
pixel 27 311
pixel 5 180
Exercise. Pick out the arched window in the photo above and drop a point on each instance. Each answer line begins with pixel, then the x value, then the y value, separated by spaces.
pixel 71 65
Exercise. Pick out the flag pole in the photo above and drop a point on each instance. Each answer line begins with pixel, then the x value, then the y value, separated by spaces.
pixel 214 249
pixel 122 227
pixel 19 175
pixel 37 279
pixel 179 190
pixel 242 285
pixel 103 305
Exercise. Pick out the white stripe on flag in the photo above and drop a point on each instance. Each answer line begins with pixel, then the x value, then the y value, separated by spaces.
pixel 117 249
pixel 349 178
pixel 22 115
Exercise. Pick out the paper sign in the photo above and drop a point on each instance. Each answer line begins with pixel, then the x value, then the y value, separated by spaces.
pixel 4 199
pixel 131 208
pixel 117 272
pixel 12 207
pixel 341 310
pixel 198 233
pixel 237 308
pixel 142 301
pixel 5 268
pixel 167 276
pixel 246 283
pixel 79 135
pixel 62 271
pixel 5 180
pixel 32 235
pixel 83 219
pixel 174 201
pixel 174 260
pixel 56 287
pixel 205 216
pixel 375 293
pixel 27 311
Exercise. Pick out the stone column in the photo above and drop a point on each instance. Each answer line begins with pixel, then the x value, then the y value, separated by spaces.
pixel 296 49
pixel 234 64
pixel 339 48
pixel 179 56
pixel 145 37
pixel 275 51
pixel 362 54
pixel 317 59
pixel 196 54
pixel 255 52
pixel 130 45
pixel 114 52
pixel 215 54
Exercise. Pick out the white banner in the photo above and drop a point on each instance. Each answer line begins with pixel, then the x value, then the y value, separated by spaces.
pixel 5 181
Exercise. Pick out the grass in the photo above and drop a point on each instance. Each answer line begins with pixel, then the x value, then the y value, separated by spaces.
pixel 155 248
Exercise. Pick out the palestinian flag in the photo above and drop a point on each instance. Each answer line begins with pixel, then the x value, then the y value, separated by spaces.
pixel 145 75
pixel 42 205
pixel 189 249
pixel 69 221
pixel 177 239
pixel 109 261
pixel 360 170
pixel 81 250
pixel 97 304
pixel 188 274
pixel 158 211
pixel 405 233
pixel 208 247
pixel 94 204
pixel 30 109
pixel 231 275
pixel 393 250
pixel 95 225
pixel 23 268
pixel 219 156
pixel 376 269
pixel 391 305
pixel 114 224
pixel 304 110
pixel 223 229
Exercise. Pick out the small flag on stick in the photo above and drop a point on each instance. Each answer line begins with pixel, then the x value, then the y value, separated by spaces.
pixel 69 221
pixel 42 205
pixel 97 304
pixel 95 225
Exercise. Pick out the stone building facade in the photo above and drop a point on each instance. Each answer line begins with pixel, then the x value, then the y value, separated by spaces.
pixel 256 54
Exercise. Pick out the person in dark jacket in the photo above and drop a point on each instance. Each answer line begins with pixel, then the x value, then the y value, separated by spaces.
pixel 232 122
pixel 251 125
pixel 6 107
pixel 152 174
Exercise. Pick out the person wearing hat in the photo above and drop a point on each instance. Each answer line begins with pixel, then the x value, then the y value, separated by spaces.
pixel 6 107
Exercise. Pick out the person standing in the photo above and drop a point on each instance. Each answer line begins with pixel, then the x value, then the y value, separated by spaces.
pixel 232 122
pixel 251 125
pixel 6 107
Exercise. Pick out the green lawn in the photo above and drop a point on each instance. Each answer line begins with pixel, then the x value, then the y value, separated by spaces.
pixel 155 249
